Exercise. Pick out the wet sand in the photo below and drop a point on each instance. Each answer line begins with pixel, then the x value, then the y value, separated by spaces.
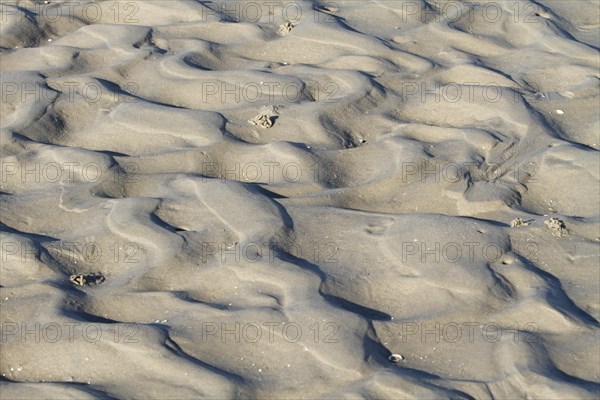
pixel 237 199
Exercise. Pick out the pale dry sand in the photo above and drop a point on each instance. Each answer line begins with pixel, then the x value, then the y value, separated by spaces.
pixel 280 195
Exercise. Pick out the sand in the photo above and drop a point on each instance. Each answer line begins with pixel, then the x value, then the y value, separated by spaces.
pixel 300 200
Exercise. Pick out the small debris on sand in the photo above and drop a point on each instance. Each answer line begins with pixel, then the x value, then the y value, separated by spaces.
pixel 87 279
pixel 285 28
pixel 395 358
pixel 262 120
pixel 557 227
pixel 519 222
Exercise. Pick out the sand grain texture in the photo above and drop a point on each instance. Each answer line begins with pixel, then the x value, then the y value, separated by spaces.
pixel 278 203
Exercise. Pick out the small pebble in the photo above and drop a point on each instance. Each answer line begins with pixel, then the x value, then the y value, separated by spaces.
pixel 395 358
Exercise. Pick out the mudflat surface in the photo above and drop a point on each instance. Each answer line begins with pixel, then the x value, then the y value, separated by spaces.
pixel 236 199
